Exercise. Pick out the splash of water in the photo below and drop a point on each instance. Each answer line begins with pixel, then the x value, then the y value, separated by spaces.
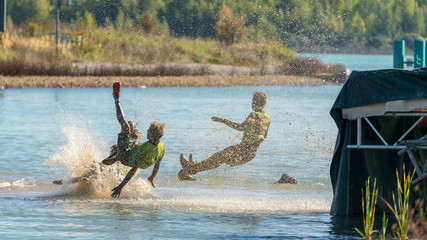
pixel 23 182
pixel 82 156
pixel 80 153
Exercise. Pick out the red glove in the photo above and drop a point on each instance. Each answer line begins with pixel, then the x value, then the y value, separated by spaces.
pixel 116 89
pixel 424 121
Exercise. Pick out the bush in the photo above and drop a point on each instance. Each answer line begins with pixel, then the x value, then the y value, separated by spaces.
pixel 378 42
pixel 301 66
pixel 409 39
pixel 228 28
pixel 308 66
pixel 147 23
pixel 32 27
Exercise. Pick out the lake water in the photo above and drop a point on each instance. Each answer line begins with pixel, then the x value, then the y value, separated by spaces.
pixel 49 134
pixel 356 61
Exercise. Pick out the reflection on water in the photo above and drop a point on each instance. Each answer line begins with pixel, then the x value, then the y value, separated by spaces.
pixel 344 226
pixel 96 220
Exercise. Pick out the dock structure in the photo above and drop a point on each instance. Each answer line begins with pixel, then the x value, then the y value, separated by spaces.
pixel 381 116
pixel 420 53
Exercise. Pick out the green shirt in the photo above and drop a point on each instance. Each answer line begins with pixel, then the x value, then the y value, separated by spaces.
pixel 145 155
pixel 257 126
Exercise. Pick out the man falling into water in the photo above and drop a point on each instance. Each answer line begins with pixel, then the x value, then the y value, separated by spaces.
pixel 254 128
pixel 128 152
pixel 135 155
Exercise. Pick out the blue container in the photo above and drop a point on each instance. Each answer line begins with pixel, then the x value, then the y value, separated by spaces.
pixel 398 54
pixel 419 54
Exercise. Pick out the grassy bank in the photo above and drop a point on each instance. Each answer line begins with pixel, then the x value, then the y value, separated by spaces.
pixel 133 54
pixel 131 47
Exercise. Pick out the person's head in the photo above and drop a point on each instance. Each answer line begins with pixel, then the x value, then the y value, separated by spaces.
pixel 258 101
pixel 155 131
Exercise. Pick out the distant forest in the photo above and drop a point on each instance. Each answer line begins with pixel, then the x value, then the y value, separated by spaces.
pixel 297 23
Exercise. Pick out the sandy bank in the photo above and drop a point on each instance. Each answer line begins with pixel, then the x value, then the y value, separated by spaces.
pixel 189 81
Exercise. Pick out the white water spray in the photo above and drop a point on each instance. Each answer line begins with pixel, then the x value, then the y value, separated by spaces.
pixel 83 154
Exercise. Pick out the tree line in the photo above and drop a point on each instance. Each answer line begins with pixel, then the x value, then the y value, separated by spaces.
pixel 372 23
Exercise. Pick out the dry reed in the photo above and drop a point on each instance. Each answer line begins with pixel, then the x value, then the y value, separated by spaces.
pixel 169 81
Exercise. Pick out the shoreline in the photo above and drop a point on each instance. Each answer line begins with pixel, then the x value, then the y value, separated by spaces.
pixel 352 48
pixel 18 82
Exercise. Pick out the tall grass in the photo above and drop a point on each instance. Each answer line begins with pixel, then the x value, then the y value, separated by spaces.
pixel 400 207
pixel 36 49
pixel 368 208
pixel 384 227
pixel 401 211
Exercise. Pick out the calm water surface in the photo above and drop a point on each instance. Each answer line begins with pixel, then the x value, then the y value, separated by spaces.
pixel 357 61
pixel 49 134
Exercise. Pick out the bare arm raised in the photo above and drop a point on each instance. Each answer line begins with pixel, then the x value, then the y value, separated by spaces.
pixel 119 111
pixel 237 126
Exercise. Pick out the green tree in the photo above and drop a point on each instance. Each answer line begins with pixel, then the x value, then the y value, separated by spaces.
pixel 304 22
pixel 120 21
pixel 85 21
pixel 263 31
pixel 9 23
pixel 357 25
pixel 32 28
pixel 21 10
pixel 192 18
pixel 106 10
pixel 147 22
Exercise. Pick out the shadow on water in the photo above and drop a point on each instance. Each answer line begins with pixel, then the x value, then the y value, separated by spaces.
pixel 345 226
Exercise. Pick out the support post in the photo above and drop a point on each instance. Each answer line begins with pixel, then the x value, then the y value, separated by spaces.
pixel 359 131
pixel 57 25
pixel 2 15
pixel 398 54
pixel 419 54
